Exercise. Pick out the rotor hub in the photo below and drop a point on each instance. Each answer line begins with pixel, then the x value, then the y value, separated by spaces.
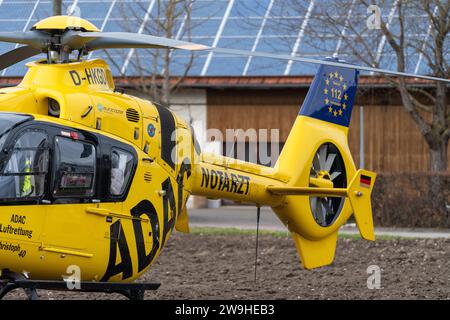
pixel 64 23
pixel 323 174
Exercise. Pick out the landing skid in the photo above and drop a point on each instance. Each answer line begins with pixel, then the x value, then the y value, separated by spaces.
pixel 133 291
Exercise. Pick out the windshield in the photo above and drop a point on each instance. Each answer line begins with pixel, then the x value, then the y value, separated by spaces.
pixel 24 171
pixel 9 121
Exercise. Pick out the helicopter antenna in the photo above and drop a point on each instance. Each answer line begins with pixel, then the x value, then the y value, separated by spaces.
pixel 258 216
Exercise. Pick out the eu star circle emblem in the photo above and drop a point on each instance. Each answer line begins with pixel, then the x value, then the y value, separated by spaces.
pixel 151 130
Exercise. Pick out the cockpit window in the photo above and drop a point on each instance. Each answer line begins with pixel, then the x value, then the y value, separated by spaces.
pixel 75 168
pixel 121 169
pixel 7 122
pixel 23 175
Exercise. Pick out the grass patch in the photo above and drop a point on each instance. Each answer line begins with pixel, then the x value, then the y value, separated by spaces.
pixel 235 232
pixel 209 231
pixel 379 237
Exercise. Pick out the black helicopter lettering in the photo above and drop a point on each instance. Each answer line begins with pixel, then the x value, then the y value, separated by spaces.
pixel 88 75
pixel 239 186
pixel 214 179
pixel 75 77
pixel 185 168
pixel 205 178
pixel 168 143
pixel 247 183
pixel 118 239
pixel 145 207
pixel 100 75
pixel 220 178
pixel 221 181
pixel 95 76
pixel 103 76
pixel 225 184
pixel 244 180
pixel 234 183
pixel 18 219
pixel 168 204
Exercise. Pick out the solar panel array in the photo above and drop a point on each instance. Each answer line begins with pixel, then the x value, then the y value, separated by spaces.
pixel 263 25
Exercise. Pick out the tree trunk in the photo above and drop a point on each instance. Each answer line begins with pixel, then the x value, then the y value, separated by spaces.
pixel 438 156
pixel 438 164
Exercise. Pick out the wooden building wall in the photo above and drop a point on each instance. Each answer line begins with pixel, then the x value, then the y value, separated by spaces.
pixel 392 141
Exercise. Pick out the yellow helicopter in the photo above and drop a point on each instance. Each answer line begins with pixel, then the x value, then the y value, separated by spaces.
pixel 94 178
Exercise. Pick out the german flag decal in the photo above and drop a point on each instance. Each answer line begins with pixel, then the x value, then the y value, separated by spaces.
pixel 365 181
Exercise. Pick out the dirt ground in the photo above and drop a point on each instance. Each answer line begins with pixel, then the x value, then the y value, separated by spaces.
pixel 222 267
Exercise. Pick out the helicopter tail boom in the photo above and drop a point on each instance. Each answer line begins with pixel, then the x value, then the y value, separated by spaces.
pixel 314 187
pixel 218 177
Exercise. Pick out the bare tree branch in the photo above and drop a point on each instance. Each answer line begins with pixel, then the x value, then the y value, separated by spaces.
pixel 417 28
pixel 153 66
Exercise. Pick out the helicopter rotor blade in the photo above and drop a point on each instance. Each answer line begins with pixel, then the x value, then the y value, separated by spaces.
pixel 107 40
pixel 324 62
pixel 17 55
pixel 35 39
pixel 77 40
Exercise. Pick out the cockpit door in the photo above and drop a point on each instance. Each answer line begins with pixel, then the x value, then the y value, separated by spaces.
pixel 72 191
pixel 23 175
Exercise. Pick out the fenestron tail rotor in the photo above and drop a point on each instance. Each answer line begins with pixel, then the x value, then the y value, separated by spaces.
pixel 327 164
pixel 64 34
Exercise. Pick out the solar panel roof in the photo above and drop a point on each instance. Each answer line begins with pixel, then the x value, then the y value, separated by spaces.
pixel 263 25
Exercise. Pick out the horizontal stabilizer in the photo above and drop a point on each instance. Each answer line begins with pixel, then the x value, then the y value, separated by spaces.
pixel 308 191
pixel 315 253
pixel 358 192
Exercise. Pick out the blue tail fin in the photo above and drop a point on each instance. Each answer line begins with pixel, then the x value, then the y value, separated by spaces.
pixel 331 95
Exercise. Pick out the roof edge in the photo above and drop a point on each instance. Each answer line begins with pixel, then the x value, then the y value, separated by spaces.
pixel 254 82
